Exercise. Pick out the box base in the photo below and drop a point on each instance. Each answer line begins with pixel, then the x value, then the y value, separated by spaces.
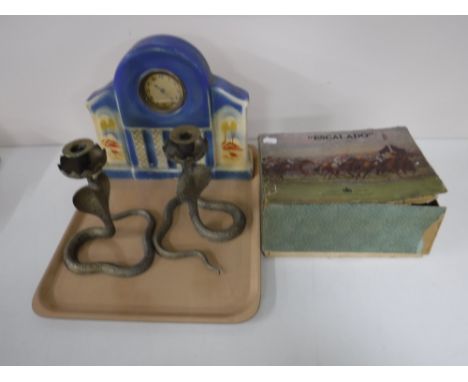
pixel 331 230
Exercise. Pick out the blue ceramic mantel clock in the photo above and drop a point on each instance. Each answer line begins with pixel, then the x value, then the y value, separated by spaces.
pixel 164 82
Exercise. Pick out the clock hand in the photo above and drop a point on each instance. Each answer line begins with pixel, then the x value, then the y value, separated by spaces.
pixel 162 90
pixel 164 93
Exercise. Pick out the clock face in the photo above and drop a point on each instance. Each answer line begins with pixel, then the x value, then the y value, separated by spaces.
pixel 162 91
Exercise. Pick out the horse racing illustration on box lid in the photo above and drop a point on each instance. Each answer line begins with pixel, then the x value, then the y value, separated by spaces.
pixel 362 166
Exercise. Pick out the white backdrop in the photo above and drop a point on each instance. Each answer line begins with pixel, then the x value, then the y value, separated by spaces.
pixel 303 73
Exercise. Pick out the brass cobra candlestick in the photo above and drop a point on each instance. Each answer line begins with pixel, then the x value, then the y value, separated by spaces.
pixel 186 146
pixel 84 159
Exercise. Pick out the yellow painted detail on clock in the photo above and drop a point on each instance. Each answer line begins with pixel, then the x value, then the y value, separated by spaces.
pixel 109 138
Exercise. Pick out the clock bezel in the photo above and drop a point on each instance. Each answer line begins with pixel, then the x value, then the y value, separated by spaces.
pixel 149 103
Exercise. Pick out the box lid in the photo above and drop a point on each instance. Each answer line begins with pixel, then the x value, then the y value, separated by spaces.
pixel 360 166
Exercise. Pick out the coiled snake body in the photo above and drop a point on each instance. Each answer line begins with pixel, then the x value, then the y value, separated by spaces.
pixel 83 159
pixel 93 199
pixel 193 180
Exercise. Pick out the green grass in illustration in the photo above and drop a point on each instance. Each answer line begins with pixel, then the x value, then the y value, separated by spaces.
pixel 320 190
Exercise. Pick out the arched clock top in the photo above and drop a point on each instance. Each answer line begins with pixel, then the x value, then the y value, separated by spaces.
pixel 161 83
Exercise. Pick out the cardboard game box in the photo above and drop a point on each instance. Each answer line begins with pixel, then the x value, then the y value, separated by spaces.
pixel 361 193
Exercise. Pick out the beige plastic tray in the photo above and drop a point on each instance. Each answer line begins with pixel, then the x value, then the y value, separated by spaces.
pixel 171 290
